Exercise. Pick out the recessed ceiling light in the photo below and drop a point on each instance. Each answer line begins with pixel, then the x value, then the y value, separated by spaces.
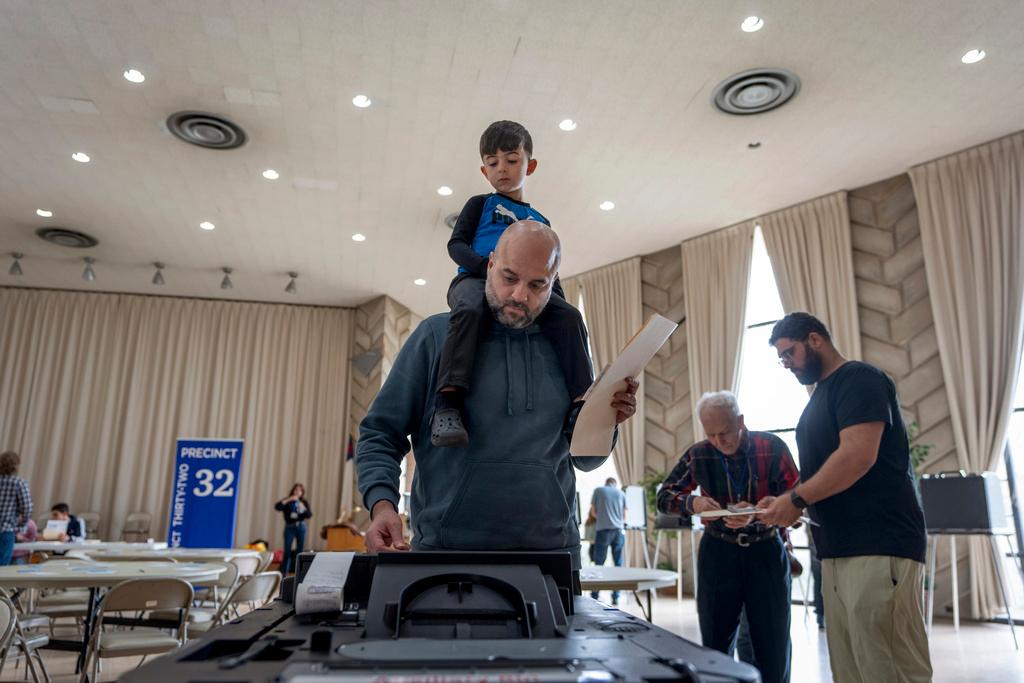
pixel 207 225
pixel 81 157
pixel 567 125
pixel 973 56
pixel 751 24
pixel 444 190
pixel 134 75
pixel 271 174
pixel 607 206
pixel 44 213
pixel 359 237
pixel 419 281
pixel 361 101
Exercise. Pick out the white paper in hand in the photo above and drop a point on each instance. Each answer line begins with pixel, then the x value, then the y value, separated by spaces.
pixel 595 426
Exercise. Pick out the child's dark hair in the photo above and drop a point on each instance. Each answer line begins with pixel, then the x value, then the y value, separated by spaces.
pixel 505 136
pixel 61 508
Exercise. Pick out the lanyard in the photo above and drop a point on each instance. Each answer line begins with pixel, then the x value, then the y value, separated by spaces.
pixel 737 485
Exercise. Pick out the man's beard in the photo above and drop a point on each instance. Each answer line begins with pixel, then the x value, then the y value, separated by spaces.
pixel 811 371
pixel 500 309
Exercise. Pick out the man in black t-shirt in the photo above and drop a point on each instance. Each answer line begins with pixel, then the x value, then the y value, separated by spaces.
pixel 858 485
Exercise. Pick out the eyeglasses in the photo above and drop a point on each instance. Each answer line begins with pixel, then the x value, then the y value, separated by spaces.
pixel 786 355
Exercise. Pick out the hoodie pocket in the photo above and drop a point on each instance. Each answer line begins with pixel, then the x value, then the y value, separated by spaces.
pixel 507 505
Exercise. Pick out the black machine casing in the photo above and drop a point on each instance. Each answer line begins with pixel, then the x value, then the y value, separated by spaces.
pixel 956 502
pixel 448 617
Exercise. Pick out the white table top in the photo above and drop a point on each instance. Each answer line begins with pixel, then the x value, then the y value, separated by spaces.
pixel 72 574
pixel 88 545
pixel 625 578
pixel 179 554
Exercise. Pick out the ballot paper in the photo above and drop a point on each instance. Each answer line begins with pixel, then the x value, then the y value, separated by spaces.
pixel 594 432
pixel 732 512
pixel 322 587
pixel 55 528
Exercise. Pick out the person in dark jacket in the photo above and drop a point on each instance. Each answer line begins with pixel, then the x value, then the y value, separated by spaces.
pixel 296 511
pixel 76 527
pixel 512 487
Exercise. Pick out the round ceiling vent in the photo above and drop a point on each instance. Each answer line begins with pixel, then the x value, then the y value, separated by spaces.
pixel 206 130
pixel 67 238
pixel 755 91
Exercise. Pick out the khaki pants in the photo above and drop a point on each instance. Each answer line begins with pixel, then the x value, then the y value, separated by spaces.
pixel 874 620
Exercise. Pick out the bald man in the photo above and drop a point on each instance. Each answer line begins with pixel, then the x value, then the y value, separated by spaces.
pixel 512 487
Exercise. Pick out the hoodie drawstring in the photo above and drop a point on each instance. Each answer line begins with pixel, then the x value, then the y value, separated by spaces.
pixel 508 374
pixel 529 373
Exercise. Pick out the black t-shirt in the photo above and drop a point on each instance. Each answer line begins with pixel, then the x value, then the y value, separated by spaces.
pixel 881 513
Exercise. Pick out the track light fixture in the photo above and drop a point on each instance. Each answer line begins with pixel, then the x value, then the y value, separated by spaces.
pixel 158 277
pixel 89 274
pixel 291 288
pixel 226 282
pixel 16 266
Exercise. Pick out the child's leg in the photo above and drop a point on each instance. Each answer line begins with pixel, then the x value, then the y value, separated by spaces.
pixel 563 325
pixel 466 326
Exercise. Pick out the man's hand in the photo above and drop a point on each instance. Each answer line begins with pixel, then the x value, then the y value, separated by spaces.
pixel 780 511
pixel 705 504
pixel 624 402
pixel 385 532
pixel 739 522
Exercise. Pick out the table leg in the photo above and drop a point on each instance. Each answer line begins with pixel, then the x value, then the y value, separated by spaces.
pixel 90 621
pixel 930 577
pixel 994 546
pixel 956 588
pixel 679 566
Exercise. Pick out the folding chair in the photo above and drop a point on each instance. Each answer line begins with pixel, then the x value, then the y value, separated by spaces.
pixel 257 590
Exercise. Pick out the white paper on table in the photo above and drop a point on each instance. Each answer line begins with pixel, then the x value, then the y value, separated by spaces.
pixel 741 512
pixel 322 588
pixel 594 432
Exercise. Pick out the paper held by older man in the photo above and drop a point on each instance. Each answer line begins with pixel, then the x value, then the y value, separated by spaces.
pixel 594 432
pixel 730 512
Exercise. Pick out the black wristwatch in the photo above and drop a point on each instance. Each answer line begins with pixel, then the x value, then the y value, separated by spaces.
pixel 795 498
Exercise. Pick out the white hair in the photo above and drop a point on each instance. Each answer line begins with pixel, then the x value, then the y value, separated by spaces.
pixel 726 400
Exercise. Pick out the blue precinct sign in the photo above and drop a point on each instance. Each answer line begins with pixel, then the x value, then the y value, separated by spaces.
pixel 204 493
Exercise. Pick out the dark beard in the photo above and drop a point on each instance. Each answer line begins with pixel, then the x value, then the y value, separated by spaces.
pixel 499 308
pixel 811 372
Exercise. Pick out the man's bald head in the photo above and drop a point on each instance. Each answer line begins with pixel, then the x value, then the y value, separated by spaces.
pixel 534 240
pixel 521 271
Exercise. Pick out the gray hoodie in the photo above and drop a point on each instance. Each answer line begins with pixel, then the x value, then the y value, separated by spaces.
pixel 513 487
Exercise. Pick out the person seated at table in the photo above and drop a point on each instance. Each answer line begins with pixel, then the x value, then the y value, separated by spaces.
pixel 76 527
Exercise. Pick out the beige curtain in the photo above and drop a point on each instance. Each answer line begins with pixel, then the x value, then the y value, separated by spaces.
pixel 612 302
pixel 97 387
pixel 572 288
pixel 716 269
pixel 812 257
pixel 971 209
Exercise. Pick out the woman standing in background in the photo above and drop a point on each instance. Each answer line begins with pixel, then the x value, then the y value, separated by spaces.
pixel 296 511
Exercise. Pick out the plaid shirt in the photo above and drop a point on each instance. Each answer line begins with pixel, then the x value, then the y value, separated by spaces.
pixel 761 454
pixel 15 503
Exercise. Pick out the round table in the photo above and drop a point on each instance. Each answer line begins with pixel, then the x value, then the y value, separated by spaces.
pixel 633 579
pixel 179 554
pixel 61 547
pixel 94 576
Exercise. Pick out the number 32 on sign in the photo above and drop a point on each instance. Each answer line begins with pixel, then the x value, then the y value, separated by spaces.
pixel 204 498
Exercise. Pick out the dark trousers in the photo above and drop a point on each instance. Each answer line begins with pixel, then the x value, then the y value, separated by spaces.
pixel 6 547
pixel 756 578
pixel 293 533
pixel 471 318
pixel 604 539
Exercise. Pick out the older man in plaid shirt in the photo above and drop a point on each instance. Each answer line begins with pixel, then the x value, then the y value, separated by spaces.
pixel 742 564
pixel 15 504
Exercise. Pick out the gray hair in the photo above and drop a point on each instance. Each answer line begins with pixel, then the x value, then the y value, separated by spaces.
pixel 725 400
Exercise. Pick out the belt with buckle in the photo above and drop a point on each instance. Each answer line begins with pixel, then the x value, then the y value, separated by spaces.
pixel 743 540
